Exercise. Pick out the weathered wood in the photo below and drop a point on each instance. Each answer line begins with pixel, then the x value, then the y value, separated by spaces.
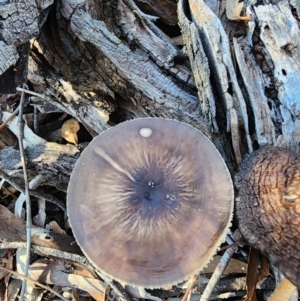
pixel 55 161
pixel 280 34
pixel 104 62
pixel 218 90
pixel 13 229
pixel 20 21
pixel 166 10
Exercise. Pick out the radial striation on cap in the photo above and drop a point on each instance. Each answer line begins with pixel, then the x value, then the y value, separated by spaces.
pixel 150 201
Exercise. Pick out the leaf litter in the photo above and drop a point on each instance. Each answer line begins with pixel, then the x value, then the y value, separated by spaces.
pixel 55 259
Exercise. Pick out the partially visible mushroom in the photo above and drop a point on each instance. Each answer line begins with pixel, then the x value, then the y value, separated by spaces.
pixel 150 201
pixel 268 207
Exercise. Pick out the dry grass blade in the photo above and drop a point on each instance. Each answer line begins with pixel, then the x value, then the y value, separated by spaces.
pixel 35 282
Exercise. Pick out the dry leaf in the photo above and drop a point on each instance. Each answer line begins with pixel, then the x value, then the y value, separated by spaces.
pixel 61 272
pixel 69 130
pixel 54 226
pixel 8 137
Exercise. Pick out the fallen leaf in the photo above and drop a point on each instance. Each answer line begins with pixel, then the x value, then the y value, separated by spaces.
pixel 63 273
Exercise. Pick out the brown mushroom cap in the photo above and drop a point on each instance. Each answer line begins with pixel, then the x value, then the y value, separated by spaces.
pixel 268 207
pixel 150 201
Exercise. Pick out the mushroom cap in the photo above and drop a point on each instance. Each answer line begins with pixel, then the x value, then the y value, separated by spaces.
pixel 268 206
pixel 150 201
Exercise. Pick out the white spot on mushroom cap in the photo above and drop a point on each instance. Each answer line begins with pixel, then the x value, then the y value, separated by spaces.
pixel 145 132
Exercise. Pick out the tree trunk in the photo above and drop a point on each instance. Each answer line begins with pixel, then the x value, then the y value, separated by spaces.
pixel 104 62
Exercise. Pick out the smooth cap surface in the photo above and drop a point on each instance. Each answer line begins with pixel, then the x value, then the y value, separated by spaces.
pixel 150 201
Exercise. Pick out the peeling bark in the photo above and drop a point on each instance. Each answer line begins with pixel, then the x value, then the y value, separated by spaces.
pixel 104 62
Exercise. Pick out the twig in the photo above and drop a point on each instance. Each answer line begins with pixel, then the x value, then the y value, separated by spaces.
pixel 33 184
pixel 230 241
pixel 35 120
pixel 44 196
pixel 44 251
pixel 28 201
pixel 12 245
pixel 235 244
pixel 217 273
pixel 31 92
pixel 34 282
pixel 11 117
pixel 116 286
pixel 192 282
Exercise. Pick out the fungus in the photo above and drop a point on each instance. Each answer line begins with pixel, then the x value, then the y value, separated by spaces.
pixel 150 201
pixel 268 207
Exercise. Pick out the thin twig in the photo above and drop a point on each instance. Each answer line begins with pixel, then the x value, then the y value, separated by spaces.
pixel 11 117
pixel 12 245
pixel 191 282
pixel 33 184
pixel 35 120
pixel 28 201
pixel 235 244
pixel 44 251
pixel 230 241
pixel 218 273
pixel 116 286
pixel 44 196
pixel 34 282
pixel 31 92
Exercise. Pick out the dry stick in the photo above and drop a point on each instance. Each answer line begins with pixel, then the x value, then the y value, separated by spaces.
pixel 28 202
pixel 48 252
pixel 11 117
pixel 116 286
pixel 35 120
pixel 192 282
pixel 230 241
pixel 59 106
pixel 31 93
pixel 34 282
pixel 217 273
pixel 44 196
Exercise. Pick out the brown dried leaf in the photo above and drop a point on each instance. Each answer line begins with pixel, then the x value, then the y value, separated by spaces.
pixel 54 226
pixel 13 229
pixel 69 130
pixel 8 137
pixel 252 274
pixel 60 272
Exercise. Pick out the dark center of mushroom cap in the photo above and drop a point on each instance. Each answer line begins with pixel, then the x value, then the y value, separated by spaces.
pixel 149 201
pixel 152 192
